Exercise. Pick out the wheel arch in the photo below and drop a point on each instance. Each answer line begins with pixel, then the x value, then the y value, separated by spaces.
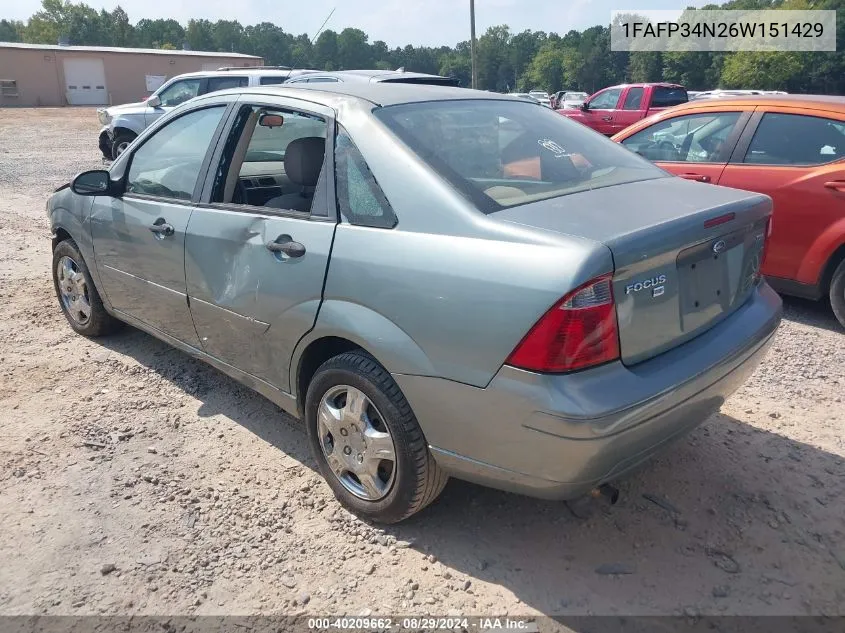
pixel 836 258
pixel 343 326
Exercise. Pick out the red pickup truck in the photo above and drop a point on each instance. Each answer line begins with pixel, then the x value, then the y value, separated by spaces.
pixel 613 109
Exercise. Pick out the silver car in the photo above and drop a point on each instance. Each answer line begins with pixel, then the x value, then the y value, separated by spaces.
pixel 439 282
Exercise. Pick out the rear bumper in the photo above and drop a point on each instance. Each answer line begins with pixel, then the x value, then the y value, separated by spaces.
pixel 557 437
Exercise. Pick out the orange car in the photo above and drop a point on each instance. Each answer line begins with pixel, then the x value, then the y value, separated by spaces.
pixel 789 147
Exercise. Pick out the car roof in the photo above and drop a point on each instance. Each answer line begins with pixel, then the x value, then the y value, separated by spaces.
pixel 658 84
pixel 816 102
pixel 247 70
pixel 380 94
pixel 377 75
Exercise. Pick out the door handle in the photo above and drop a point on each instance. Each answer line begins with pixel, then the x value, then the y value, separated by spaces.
pixel 161 228
pixel 836 185
pixel 285 244
pixel 607 118
pixel 695 177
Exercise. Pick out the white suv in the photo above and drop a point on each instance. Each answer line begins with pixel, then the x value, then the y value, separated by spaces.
pixel 124 122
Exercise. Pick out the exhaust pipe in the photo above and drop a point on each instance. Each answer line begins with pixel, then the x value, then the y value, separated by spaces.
pixel 608 492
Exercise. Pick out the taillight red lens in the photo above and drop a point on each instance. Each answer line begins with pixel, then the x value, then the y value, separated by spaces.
pixel 759 272
pixel 577 332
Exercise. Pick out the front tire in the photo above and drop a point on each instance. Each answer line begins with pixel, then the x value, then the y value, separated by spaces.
pixel 120 143
pixel 367 442
pixel 837 292
pixel 78 297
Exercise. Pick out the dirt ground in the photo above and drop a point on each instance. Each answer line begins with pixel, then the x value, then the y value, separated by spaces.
pixel 134 480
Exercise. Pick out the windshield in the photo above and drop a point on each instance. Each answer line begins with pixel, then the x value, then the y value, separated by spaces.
pixel 502 154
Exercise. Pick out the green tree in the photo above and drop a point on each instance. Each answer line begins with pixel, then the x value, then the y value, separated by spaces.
pixel 200 35
pixel 159 33
pixel 353 50
pixel 325 54
pixel 764 71
pixel 11 31
pixel 546 70
pixel 645 67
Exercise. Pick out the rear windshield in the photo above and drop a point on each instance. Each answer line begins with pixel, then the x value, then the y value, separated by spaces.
pixel 664 97
pixel 503 154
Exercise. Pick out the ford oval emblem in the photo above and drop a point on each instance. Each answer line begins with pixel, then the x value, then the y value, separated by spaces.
pixel 719 246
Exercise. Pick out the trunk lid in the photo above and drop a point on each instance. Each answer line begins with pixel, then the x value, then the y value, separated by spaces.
pixel 685 254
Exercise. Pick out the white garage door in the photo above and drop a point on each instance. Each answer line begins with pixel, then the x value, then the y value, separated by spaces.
pixel 85 81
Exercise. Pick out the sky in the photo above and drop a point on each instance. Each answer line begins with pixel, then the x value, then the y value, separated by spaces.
pixel 397 22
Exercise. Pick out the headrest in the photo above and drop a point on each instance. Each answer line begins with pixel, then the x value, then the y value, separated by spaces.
pixel 304 160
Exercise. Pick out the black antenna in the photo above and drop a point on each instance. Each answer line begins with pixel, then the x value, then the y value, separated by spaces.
pixel 320 30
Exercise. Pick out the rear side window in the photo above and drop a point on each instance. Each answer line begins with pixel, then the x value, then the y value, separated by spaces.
pixel 634 99
pixel 225 83
pixel 664 97
pixel 795 139
pixel 272 81
pixel 360 199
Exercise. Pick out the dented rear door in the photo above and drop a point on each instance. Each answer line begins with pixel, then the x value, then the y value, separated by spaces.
pixel 251 304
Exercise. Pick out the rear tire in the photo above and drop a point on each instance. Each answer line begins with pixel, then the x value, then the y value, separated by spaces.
pixel 78 297
pixel 120 143
pixel 409 482
pixel 837 292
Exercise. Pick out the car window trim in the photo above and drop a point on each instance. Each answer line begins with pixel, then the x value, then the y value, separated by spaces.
pixel 203 171
pixel 738 155
pixel 326 182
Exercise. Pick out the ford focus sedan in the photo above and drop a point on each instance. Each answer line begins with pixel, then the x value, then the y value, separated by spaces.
pixel 438 282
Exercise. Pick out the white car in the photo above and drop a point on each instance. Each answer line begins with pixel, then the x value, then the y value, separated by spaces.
pixel 542 97
pixel 572 100
pixel 122 123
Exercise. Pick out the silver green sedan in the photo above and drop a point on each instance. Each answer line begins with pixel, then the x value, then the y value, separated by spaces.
pixel 438 282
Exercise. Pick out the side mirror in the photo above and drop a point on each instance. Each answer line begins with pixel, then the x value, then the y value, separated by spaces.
pixel 154 101
pixel 92 183
pixel 584 106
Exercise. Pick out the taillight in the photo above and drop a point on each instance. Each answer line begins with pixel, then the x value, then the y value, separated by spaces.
pixel 577 332
pixel 758 273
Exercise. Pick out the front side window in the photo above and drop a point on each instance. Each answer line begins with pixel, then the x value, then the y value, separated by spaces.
pixel 606 100
pixel 225 83
pixel 664 97
pixel 694 138
pixel 360 199
pixel 796 139
pixel 634 99
pixel 505 153
pixel 273 158
pixel 168 164
pixel 179 92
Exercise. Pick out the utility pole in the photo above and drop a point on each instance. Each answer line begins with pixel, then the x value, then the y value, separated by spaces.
pixel 473 44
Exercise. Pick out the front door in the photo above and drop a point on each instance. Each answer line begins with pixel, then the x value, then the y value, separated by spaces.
pixel 139 237
pixel 798 159
pixel 258 248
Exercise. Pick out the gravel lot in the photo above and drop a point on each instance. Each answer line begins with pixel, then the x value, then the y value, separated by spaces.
pixel 134 480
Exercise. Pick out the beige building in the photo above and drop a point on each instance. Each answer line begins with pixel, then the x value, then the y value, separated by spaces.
pixel 52 75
